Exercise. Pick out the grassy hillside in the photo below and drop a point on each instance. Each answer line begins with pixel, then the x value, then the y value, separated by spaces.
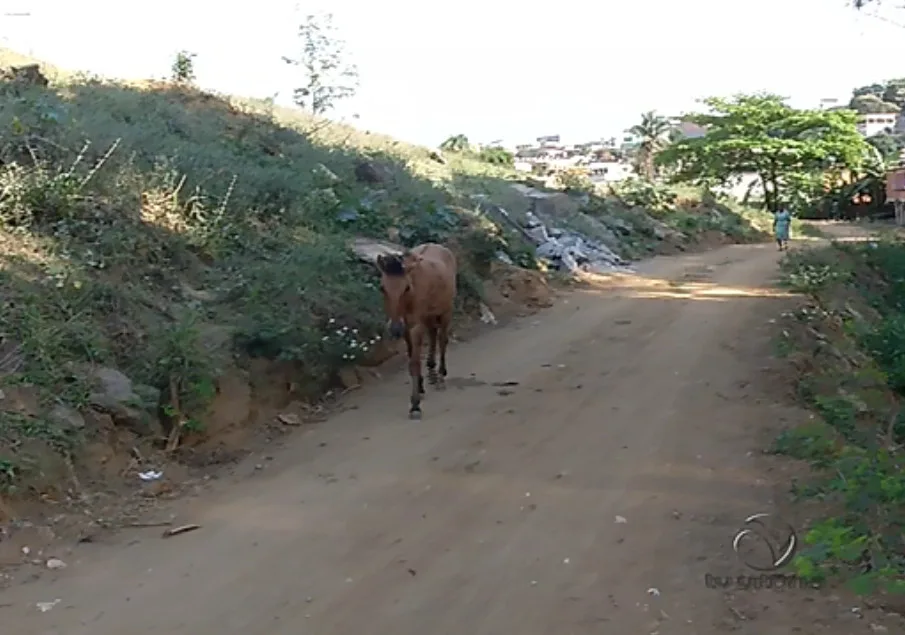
pixel 848 347
pixel 163 250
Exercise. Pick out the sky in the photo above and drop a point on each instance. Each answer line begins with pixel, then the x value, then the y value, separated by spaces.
pixel 489 69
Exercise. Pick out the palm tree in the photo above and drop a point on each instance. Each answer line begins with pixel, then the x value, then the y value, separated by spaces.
pixel 652 133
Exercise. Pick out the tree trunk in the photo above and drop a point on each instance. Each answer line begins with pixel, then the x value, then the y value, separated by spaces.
pixel 770 183
pixel 768 193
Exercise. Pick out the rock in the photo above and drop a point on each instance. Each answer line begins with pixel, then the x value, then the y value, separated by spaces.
pixel 114 394
pixel 539 235
pixel 437 155
pixel 114 384
pixel 366 172
pixel 564 249
pixel 66 418
pixel 367 249
pixel 532 221
pixel 487 316
pixel 601 232
pixel 289 419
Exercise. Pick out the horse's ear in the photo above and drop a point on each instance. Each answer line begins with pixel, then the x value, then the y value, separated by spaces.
pixel 380 262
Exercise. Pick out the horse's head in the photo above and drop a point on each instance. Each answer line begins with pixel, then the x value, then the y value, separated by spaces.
pixel 395 285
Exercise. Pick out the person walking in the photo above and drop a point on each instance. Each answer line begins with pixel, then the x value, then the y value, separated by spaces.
pixel 782 222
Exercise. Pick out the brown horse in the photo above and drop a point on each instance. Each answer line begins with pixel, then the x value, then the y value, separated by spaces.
pixel 419 291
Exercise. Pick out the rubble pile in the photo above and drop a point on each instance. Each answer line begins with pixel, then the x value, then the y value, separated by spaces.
pixel 570 251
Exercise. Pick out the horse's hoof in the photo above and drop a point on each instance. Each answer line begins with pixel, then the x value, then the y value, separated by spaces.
pixel 415 415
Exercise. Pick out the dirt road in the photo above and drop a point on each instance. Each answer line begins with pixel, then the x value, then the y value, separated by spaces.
pixel 592 497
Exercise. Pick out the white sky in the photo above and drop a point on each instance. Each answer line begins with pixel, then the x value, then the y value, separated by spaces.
pixel 494 69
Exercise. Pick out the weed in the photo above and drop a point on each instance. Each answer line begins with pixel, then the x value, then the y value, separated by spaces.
pixel 854 444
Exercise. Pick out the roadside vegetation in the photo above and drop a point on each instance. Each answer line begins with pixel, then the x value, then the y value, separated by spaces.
pixel 847 344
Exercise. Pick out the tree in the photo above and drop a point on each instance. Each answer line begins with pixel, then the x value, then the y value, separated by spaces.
pixel 888 96
pixel 328 76
pixel 761 134
pixel 889 145
pixel 497 156
pixel 869 104
pixel 183 68
pixel 456 143
pixel 652 137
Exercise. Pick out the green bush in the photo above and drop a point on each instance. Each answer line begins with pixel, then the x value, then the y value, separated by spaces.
pixel 657 198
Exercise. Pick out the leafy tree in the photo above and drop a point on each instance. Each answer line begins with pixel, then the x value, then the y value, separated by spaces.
pixel 497 156
pixel 889 145
pixel 456 143
pixel 875 90
pixel 894 92
pixel 868 104
pixel 183 68
pixel 763 135
pixel 652 137
pixel 328 76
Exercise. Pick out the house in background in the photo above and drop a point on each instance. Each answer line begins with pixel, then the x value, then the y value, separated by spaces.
pixel 876 123
pixel 609 171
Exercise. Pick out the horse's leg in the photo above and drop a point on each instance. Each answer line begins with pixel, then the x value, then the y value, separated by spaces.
pixel 443 337
pixel 417 335
pixel 409 352
pixel 432 355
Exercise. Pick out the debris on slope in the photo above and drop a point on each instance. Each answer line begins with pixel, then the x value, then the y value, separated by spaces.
pixel 560 249
pixel 571 251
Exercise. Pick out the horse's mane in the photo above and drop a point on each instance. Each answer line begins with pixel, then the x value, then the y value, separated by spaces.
pixel 393 265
